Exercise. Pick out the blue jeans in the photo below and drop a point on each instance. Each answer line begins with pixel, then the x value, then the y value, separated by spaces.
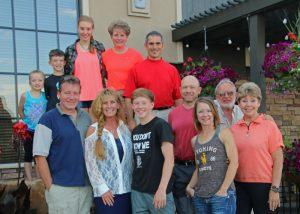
pixel 216 204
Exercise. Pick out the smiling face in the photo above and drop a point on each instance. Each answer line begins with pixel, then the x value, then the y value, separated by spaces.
pixel 85 30
pixel 226 96
pixel 69 96
pixel 57 63
pixel 142 107
pixel 154 47
pixel 204 114
pixel 36 81
pixel 110 106
pixel 119 38
pixel 190 89
pixel 249 105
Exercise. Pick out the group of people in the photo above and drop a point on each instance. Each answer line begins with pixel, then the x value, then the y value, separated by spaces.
pixel 127 133
pixel 228 157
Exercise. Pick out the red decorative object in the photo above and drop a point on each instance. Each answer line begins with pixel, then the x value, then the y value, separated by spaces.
pixel 20 135
pixel 20 131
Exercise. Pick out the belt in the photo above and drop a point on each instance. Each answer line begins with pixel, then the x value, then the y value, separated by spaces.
pixel 162 108
pixel 185 163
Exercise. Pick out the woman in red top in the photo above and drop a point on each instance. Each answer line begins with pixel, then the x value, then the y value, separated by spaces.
pixel 119 59
pixel 84 60
pixel 259 144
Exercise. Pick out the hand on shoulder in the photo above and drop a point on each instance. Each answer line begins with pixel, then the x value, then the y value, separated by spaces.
pixel 90 131
pixel 268 117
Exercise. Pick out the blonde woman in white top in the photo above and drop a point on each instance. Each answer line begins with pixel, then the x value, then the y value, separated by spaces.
pixel 108 155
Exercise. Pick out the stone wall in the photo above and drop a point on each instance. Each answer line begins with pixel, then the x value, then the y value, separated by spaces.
pixel 285 109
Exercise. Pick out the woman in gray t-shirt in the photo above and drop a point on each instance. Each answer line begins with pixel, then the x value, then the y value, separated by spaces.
pixel 211 185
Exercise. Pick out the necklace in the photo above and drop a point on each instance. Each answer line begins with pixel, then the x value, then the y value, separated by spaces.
pixel 83 47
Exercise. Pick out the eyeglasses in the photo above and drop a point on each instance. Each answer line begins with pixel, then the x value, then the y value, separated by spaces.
pixel 227 93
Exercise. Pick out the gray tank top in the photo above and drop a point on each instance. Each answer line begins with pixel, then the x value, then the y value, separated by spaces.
pixel 211 159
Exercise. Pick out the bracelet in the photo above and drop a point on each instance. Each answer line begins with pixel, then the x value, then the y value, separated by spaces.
pixel 274 189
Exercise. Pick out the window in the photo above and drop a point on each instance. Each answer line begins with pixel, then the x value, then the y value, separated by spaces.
pixel 29 29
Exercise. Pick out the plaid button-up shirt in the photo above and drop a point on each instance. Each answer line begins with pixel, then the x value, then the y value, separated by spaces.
pixel 71 55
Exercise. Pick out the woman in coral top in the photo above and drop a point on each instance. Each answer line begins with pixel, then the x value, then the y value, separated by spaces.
pixel 259 144
pixel 84 60
pixel 119 59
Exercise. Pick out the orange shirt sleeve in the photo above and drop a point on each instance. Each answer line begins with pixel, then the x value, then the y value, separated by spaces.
pixel 275 137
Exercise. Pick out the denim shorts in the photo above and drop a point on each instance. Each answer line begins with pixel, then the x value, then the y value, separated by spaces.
pixel 216 204
pixel 142 203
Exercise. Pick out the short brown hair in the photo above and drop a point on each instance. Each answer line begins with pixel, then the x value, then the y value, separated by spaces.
pixel 56 52
pixel 142 92
pixel 249 88
pixel 68 79
pixel 213 109
pixel 119 24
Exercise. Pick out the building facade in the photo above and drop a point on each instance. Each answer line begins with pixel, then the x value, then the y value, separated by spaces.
pixel 29 29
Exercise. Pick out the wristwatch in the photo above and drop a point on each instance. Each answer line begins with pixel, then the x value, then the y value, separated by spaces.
pixel 274 189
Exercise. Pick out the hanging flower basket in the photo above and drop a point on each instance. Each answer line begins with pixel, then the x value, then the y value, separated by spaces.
pixel 282 60
pixel 208 73
pixel 282 64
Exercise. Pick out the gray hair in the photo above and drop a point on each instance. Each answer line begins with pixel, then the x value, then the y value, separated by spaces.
pixel 153 33
pixel 223 81
pixel 251 89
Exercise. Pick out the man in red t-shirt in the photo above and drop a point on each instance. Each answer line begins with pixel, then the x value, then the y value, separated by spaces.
pixel 156 75
pixel 182 124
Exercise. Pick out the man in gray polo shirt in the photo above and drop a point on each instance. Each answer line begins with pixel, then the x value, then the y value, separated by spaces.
pixel 59 154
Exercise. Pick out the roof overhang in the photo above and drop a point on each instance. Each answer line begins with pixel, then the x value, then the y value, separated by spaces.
pixel 228 16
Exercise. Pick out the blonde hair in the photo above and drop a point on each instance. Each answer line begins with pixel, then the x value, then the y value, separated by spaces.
pixel 213 109
pixel 249 89
pixel 88 19
pixel 119 24
pixel 36 72
pixel 97 112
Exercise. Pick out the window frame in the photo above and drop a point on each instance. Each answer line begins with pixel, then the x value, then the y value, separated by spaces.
pixel 36 31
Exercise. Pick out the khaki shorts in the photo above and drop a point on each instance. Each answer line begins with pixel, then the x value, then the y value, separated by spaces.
pixel 69 200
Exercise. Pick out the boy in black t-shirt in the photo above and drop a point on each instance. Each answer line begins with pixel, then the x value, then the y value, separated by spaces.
pixel 57 62
pixel 153 158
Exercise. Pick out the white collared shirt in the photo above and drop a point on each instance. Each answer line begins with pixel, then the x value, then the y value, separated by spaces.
pixel 237 114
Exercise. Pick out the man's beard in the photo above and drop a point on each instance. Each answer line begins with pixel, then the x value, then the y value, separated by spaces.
pixel 227 106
